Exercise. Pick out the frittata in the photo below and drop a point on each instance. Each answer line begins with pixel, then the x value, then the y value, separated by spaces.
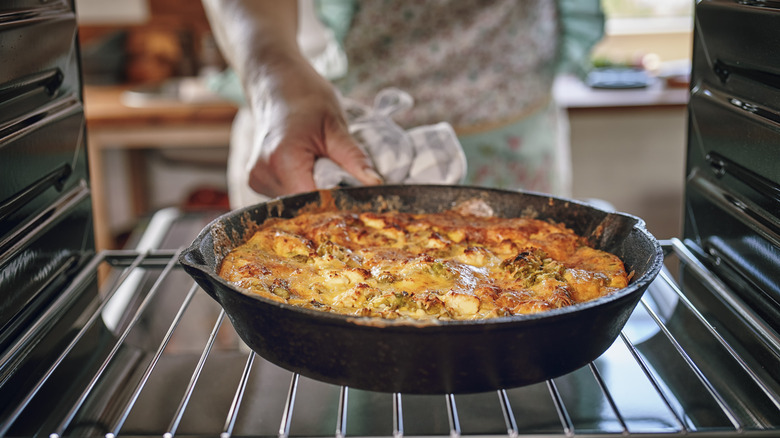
pixel 446 266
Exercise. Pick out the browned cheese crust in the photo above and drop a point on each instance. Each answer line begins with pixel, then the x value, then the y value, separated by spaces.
pixel 424 266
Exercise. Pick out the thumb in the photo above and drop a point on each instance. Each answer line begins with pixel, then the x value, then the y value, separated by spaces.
pixel 343 150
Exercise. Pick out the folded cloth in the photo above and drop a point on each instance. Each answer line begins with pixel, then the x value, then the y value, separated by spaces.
pixel 429 154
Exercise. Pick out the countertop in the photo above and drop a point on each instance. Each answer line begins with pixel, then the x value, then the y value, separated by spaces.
pixel 571 93
pixel 108 106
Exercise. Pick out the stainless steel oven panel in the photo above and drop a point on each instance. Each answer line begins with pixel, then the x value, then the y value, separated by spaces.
pixel 42 141
pixel 38 36
pixel 43 156
pixel 45 209
pixel 740 38
pixel 732 195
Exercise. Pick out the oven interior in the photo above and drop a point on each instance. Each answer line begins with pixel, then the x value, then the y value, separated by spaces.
pixel 147 353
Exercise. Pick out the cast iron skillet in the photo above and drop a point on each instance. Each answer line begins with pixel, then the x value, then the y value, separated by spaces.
pixel 438 357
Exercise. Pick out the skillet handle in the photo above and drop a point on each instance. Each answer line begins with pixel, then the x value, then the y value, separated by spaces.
pixel 199 262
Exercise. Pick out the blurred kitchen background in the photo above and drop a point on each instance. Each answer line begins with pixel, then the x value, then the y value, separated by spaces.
pixel 158 138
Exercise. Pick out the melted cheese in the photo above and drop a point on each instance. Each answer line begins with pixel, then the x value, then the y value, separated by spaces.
pixel 442 266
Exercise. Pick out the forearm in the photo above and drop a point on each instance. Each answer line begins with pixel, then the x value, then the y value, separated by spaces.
pixel 258 38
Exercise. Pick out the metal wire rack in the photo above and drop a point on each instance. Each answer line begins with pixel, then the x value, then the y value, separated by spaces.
pixel 675 369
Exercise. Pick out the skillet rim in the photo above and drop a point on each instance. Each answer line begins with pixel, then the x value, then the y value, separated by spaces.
pixel 366 322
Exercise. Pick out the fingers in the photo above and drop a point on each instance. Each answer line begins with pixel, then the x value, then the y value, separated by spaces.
pixel 289 169
pixel 343 150
pixel 303 129
pixel 286 169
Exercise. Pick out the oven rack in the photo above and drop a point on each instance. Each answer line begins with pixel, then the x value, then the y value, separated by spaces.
pixel 650 400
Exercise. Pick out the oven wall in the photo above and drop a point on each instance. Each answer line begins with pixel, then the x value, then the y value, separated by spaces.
pixel 732 197
pixel 45 211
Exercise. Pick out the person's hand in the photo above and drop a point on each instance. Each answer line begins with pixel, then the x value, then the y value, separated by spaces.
pixel 306 123
pixel 299 107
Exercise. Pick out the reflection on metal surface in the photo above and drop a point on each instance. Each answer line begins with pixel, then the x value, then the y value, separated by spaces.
pixel 752 215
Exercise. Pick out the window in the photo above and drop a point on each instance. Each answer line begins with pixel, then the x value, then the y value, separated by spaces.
pixel 648 16
pixel 640 30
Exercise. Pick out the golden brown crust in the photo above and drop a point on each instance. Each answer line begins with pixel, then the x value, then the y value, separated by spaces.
pixel 443 266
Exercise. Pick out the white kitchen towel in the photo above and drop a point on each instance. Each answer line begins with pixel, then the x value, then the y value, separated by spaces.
pixel 429 154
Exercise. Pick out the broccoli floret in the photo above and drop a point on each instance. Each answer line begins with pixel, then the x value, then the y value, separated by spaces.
pixel 532 265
